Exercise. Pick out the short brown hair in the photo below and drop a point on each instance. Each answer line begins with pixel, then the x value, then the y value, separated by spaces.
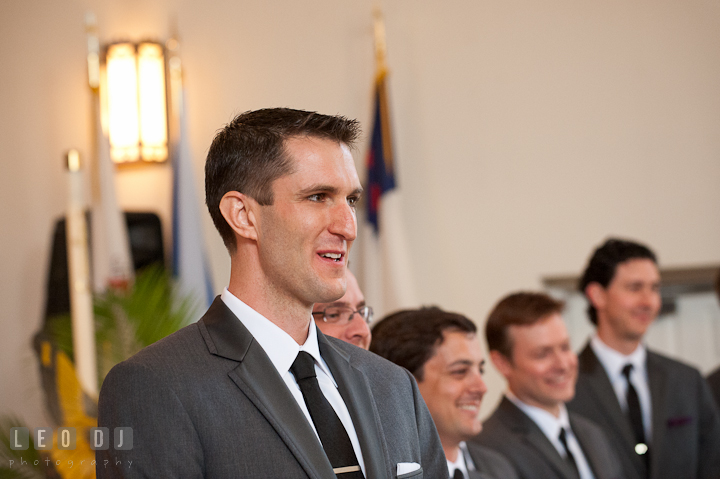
pixel 248 154
pixel 409 338
pixel 517 309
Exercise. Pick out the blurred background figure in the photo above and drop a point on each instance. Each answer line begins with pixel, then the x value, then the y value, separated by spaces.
pixel 348 318
pixel 714 377
pixel 442 351
pixel 529 345
pixel 658 412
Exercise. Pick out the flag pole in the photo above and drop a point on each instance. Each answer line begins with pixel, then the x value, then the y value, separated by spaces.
pixel 172 45
pixel 381 72
pixel 112 265
pixel 380 43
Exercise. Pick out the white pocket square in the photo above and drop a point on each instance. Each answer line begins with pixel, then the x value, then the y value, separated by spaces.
pixel 405 467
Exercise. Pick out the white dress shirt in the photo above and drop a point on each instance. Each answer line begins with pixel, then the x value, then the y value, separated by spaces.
pixel 550 426
pixel 282 350
pixel 614 362
pixel 462 462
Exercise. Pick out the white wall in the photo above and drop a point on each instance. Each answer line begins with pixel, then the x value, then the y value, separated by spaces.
pixel 526 132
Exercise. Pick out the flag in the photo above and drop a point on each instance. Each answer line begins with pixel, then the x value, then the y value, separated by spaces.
pixel 190 266
pixel 381 176
pixel 385 272
pixel 111 258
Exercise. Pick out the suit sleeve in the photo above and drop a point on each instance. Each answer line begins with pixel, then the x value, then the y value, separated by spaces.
pixel 164 440
pixel 709 441
pixel 433 458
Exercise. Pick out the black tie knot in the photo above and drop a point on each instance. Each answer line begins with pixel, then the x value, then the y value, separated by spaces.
pixel 458 474
pixel 303 367
pixel 626 370
pixel 563 437
pixel 568 455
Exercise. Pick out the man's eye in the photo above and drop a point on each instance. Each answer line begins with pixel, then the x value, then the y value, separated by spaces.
pixel 317 197
pixel 352 200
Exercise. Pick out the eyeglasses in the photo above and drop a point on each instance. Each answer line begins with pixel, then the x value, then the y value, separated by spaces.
pixel 343 314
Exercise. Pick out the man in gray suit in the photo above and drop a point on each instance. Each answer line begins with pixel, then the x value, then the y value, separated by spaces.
pixel 713 378
pixel 658 412
pixel 253 389
pixel 530 346
pixel 442 351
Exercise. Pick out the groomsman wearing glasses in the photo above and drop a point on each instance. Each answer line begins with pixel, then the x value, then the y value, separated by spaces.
pixel 348 318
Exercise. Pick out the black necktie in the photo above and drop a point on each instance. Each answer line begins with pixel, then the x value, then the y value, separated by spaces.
pixel 333 436
pixel 635 415
pixel 568 455
pixel 458 474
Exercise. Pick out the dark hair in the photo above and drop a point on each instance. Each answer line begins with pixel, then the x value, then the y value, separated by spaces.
pixel 604 261
pixel 248 154
pixel 517 309
pixel 717 284
pixel 408 338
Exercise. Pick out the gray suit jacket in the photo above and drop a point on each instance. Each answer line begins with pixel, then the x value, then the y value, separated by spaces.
pixel 513 434
pixel 713 380
pixel 207 402
pixel 685 421
pixel 489 464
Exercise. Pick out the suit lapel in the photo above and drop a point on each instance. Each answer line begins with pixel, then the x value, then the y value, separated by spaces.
pixel 258 379
pixel 358 398
pixel 658 383
pixel 607 401
pixel 522 425
pixel 589 450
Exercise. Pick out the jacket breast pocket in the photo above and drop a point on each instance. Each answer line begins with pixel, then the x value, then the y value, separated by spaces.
pixel 418 474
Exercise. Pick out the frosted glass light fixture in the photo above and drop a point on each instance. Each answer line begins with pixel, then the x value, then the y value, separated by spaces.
pixel 136 102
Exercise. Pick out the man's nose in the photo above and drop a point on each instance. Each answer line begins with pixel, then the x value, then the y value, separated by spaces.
pixel 478 383
pixel 650 298
pixel 357 326
pixel 344 222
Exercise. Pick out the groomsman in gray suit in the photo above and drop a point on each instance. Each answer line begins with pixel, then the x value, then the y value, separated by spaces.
pixel 713 378
pixel 529 345
pixel 253 389
pixel 442 351
pixel 658 412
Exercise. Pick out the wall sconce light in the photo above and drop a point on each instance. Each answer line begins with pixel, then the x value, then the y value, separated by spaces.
pixel 136 103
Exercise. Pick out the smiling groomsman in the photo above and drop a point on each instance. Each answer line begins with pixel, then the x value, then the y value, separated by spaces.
pixel 442 351
pixel 529 345
pixel 658 412
pixel 253 390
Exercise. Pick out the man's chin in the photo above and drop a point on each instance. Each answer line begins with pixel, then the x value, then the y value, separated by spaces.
pixel 329 291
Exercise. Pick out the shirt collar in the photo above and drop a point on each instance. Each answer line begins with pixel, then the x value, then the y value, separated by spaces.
pixel 614 361
pixel 459 463
pixel 280 347
pixel 548 424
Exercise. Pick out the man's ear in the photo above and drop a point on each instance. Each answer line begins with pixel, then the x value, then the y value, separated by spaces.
pixel 501 362
pixel 238 211
pixel 595 293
